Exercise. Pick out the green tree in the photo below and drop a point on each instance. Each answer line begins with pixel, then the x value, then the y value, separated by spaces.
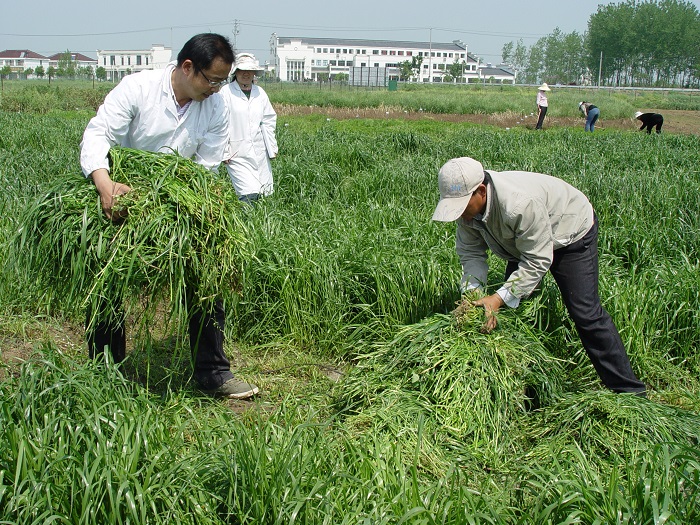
pixel 39 71
pixel 455 70
pixel 405 70
pixel 507 52
pixel 66 65
pixel 101 73
pixel 28 71
pixel 5 71
pixel 645 43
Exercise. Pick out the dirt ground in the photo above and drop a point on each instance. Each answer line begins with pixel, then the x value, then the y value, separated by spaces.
pixel 675 121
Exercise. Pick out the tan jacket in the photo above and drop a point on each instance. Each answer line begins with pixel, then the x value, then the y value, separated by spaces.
pixel 527 217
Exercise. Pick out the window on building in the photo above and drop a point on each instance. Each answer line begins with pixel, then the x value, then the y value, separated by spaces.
pixel 318 50
pixel 409 53
pixel 376 64
pixel 138 60
pixel 325 62
pixel 128 60
pixel 325 50
pixel 392 52
pixel 147 60
pixel 364 51
pixel 333 63
pixel 122 60
pixel 332 50
pixel 346 51
pixel 400 53
pixel 384 51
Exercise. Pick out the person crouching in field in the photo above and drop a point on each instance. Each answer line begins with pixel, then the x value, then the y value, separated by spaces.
pixel 174 109
pixel 591 113
pixel 537 223
pixel 650 120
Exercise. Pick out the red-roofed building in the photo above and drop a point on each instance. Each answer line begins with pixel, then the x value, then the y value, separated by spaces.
pixel 79 60
pixel 19 60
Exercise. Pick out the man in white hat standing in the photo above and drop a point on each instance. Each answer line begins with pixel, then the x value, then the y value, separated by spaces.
pixel 537 223
pixel 542 104
pixel 252 123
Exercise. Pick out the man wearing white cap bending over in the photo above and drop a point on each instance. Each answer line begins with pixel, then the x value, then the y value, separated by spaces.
pixel 537 223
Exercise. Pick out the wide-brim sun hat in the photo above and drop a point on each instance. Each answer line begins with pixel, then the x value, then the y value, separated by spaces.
pixel 246 62
pixel 458 179
pixel 544 87
pixel 638 114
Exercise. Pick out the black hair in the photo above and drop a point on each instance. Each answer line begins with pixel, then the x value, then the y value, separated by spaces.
pixel 204 48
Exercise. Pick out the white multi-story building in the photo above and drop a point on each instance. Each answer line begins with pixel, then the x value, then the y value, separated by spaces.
pixel 20 60
pixel 119 63
pixel 300 58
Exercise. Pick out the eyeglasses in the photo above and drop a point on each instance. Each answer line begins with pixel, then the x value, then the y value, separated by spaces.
pixel 213 83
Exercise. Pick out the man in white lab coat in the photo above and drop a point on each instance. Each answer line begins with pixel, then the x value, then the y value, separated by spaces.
pixel 252 122
pixel 174 109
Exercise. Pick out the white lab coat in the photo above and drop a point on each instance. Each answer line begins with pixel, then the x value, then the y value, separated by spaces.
pixel 141 113
pixel 252 141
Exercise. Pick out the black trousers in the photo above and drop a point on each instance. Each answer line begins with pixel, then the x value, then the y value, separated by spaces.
pixel 575 270
pixel 206 327
pixel 540 120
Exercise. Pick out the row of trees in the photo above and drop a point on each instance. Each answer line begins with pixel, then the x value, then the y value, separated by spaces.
pixel 649 43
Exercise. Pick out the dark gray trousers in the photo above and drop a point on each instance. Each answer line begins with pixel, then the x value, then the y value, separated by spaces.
pixel 575 270
pixel 211 366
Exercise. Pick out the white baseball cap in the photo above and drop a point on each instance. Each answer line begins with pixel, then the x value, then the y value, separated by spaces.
pixel 458 179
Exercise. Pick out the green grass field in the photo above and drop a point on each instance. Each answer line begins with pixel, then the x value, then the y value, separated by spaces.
pixel 376 406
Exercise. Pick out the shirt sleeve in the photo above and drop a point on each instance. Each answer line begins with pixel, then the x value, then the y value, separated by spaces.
pixel 268 126
pixel 108 128
pixel 533 240
pixel 214 149
pixel 472 253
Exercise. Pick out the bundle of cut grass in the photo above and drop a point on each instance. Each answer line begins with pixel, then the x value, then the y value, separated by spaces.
pixel 470 388
pixel 183 239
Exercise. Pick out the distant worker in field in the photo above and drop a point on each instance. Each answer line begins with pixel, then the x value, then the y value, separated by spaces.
pixel 591 113
pixel 252 123
pixel 650 120
pixel 542 104
pixel 537 223
pixel 173 109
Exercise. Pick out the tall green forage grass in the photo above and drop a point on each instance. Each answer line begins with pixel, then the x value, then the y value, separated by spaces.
pixel 183 239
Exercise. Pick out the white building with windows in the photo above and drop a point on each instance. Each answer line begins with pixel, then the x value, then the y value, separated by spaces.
pixel 119 63
pixel 20 60
pixel 300 58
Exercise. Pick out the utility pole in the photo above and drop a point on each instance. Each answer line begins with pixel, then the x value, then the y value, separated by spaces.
pixel 600 68
pixel 235 33
pixel 430 57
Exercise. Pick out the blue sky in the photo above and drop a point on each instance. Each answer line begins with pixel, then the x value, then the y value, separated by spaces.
pixel 82 26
